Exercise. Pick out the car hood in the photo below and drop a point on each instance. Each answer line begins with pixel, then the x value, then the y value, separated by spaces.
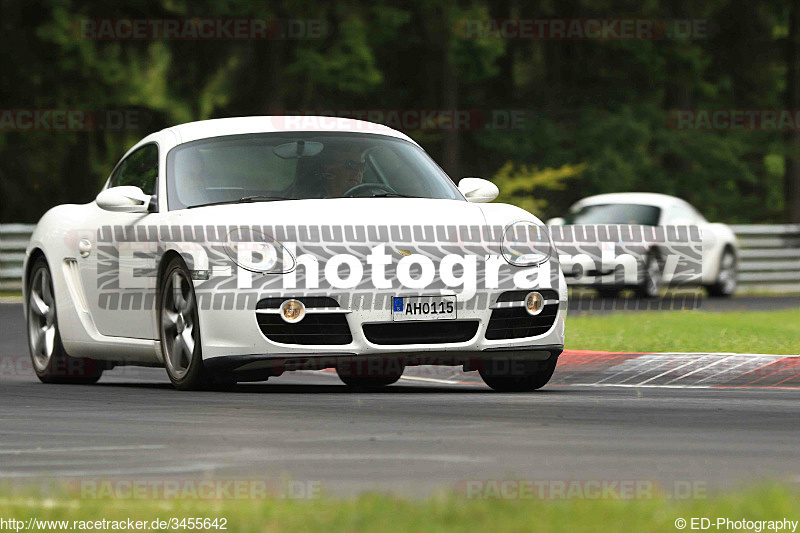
pixel 337 211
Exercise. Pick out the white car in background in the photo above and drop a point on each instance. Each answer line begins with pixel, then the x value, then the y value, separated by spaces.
pixel 720 249
pixel 124 280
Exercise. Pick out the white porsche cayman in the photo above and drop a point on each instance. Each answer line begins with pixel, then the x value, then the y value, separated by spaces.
pixel 717 271
pixel 236 249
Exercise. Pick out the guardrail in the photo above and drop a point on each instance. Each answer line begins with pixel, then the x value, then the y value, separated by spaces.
pixel 769 256
pixel 13 241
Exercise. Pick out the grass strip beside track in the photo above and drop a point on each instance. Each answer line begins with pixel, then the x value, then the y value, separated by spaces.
pixel 770 332
pixel 388 513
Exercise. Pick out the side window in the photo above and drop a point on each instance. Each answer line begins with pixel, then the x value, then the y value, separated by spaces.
pixel 139 169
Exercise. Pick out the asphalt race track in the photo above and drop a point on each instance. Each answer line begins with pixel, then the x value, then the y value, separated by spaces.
pixel 432 431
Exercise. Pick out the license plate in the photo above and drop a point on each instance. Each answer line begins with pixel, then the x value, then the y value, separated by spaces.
pixel 423 308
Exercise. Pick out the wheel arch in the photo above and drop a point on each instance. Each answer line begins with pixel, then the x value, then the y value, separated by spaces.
pixel 162 267
pixel 33 257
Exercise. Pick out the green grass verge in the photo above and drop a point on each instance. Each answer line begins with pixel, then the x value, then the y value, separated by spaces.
pixel 774 332
pixel 443 513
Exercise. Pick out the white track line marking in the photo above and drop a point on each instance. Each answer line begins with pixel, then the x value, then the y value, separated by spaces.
pixel 152 470
pixel 377 457
pixel 718 374
pixel 666 363
pixel 700 369
pixel 434 380
pixel 21 451
pixel 691 362
pixel 641 360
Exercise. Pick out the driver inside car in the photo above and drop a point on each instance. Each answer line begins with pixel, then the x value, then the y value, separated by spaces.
pixel 343 172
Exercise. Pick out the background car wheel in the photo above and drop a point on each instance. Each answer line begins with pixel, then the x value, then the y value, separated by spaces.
pixel 50 361
pixel 180 329
pixel 505 375
pixel 651 282
pixel 725 285
pixel 368 374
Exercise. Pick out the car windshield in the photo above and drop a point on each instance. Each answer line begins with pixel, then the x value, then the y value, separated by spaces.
pixel 645 215
pixel 297 165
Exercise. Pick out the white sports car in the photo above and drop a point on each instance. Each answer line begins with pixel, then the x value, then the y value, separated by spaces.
pixel 716 260
pixel 235 249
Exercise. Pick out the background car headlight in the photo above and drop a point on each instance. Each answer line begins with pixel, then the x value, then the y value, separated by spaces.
pixel 254 251
pixel 526 244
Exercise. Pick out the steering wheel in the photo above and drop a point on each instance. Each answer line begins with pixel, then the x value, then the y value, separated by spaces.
pixel 378 187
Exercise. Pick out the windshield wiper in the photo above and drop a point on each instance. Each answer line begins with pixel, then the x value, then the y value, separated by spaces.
pixel 393 195
pixel 245 200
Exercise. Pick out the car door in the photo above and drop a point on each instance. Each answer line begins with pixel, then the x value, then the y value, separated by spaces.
pixel 118 274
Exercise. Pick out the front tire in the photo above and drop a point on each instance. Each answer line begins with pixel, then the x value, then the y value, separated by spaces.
pixel 651 284
pixel 50 360
pixel 504 375
pixel 180 329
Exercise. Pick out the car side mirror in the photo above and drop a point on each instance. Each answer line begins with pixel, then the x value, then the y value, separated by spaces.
pixel 557 221
pixel 124 199
pixel 478 190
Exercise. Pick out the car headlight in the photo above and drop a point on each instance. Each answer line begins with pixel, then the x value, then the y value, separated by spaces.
pixel 526 244
pixel 254 251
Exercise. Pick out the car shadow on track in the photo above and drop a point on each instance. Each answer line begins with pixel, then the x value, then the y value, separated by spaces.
pixel 267 388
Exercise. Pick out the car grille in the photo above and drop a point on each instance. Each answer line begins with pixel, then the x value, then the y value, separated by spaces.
pixel 437 332
pixel 515 322
pixel 314 329
pixel 308 301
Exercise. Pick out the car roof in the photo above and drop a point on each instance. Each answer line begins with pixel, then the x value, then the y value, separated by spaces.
pixel 219 127
pixel 642 198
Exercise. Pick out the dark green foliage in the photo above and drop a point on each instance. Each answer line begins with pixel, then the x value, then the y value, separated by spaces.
pixel 603 106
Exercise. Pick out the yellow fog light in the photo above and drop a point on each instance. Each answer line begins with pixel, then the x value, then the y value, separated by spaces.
pixel 293 311
pixel 534 303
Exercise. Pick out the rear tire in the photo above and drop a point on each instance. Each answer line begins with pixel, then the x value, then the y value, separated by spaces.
pixel 505 375
pixel 725 284
pixel 50 360
pixel 180 329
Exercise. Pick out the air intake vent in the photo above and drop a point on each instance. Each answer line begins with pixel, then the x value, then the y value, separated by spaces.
pixel 323 328
pixel 439 332
pixel 515 322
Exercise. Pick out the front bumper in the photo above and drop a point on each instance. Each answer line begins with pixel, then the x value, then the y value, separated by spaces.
pixel 231 338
